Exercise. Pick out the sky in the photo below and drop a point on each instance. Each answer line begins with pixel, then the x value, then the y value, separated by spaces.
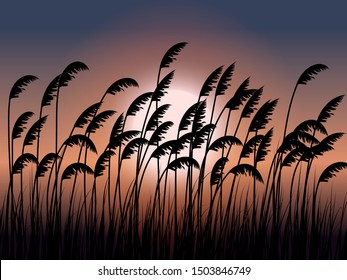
pixel 273 42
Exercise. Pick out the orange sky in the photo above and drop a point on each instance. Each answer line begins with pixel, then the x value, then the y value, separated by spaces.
pixel 138 56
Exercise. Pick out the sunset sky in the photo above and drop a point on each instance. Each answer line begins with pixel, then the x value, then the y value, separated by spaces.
pixel 273 42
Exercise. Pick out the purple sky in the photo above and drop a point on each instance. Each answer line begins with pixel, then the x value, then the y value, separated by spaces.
pixel 272 42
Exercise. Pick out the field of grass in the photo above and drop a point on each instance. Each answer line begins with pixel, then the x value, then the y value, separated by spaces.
pixel 147 195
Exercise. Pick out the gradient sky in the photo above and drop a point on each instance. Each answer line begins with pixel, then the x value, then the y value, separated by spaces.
pixel 272 41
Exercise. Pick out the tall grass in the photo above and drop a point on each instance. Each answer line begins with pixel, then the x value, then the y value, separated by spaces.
pixel 152 192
